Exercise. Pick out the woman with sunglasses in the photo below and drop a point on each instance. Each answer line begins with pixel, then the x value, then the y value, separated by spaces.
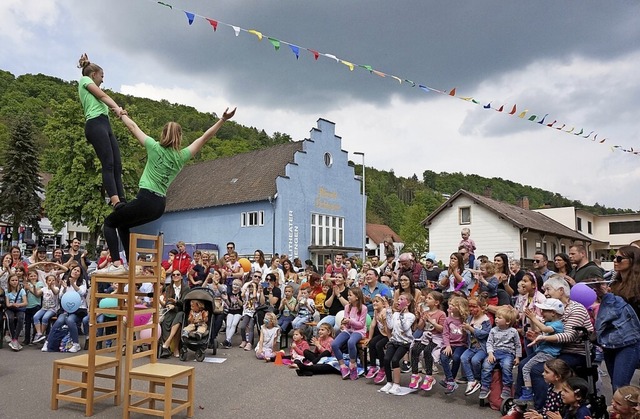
pixel 617 324
pixel 171 323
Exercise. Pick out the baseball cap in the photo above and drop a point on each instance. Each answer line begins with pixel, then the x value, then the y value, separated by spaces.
pixel 552 304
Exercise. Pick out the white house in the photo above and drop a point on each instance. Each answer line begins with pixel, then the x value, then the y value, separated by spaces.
pixel 497 227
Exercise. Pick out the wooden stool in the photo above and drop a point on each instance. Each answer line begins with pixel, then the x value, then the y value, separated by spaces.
pixel 164 375
pixel 86 384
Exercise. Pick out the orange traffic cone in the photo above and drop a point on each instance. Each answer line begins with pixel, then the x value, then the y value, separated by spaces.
pixel 278 360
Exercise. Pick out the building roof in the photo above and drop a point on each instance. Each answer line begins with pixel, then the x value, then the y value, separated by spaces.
pixel 246 177
pixel 520 217
pixel 377 233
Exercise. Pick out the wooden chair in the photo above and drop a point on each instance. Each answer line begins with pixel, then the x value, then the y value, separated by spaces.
pixel 166 376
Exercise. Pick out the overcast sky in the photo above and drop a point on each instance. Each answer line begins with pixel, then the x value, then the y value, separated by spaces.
pixel 575 60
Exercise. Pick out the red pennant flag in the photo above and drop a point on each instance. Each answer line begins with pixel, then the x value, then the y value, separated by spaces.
pixel 213 23
pixel 316 54
pixel 602 141
pixel 513 110
pixel 552 124
pixel 500 108
pixel 452 92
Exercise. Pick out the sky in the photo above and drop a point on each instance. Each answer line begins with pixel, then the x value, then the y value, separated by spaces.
pixel 576 61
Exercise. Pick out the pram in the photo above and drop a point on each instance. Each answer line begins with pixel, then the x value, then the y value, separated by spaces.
pixel 197 343
pixel 597 403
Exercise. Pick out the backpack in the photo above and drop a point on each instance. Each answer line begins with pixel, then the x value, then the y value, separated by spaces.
pixel 56 337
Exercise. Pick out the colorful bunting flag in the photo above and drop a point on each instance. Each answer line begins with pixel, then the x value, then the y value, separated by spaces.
pixel 452 92
pixel 256 33
pixel 213 23
pixel 190 17
pixel 274 42
pixel 296 50
pixel 348 64
pixel 513 110
pixel 165 4
pixel 523 113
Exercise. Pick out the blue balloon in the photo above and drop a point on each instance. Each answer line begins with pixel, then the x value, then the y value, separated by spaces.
pixel 583 294
pixel 108 303
pixel 71 301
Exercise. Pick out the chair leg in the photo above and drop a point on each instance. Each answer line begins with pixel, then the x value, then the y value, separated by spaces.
pixel 55 387
pixel 191 393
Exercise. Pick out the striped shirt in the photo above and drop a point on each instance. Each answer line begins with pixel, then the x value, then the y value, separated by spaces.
pixel 575 315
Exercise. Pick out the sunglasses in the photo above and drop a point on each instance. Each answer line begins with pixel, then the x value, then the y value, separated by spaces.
pixel 619 259
pixel 176 274
pixel 257 276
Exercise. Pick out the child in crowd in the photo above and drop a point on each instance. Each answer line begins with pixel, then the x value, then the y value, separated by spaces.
pixel 298 346
pixel 269 338
pixel 555 373
pixel 503 347
pixel 454 339
pixel 469 244
pixel 16 301
pixel 353 328
pixel 234 303
pixel 252 295
pixel 552 311
pixel 287 309
pixel 488 282
pixel 321 297
pixel 198 321
pixel 528 297
pixel 477 327
pixel 322 344
pixel 400 323
pixel 574 396
pixel 33 288
pixel 624 404
pixel 50 306
pixel 378 338
pixel 431 322
pixel 305 308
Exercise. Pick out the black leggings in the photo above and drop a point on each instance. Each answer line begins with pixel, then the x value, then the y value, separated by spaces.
pixel 147 206
pixel 100 136
pixel 395 352
pixel 28 322
pixel 418 349
pixel 314 357
pixel 376 349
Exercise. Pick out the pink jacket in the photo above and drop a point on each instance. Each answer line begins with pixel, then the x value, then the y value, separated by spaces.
pixel 357 321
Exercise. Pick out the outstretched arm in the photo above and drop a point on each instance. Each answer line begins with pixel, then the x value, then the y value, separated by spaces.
pixel 196 146
pixel 133 128
pixel 105 98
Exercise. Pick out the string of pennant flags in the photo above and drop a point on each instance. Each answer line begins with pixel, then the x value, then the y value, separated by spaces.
pixel 297 49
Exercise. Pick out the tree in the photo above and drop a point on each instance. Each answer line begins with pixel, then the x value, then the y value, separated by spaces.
pixel 21 185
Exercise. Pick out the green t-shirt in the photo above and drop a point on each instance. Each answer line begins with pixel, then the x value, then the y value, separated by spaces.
pixel 163 165
pixel 92 106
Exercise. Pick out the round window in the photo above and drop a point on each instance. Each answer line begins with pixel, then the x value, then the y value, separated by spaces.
pixel 328 159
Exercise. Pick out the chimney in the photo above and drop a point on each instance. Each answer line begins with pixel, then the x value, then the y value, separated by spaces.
pixel 524 202
pixel 487 191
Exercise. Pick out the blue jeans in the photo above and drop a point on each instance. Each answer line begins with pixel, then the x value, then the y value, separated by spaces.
pixel 538 385
pixel 285 323
pixel 450 372
pixel 351 339
pixel 43 316
pixel 621 364
pixel 72 321
pixel 471 361
pixel 505 359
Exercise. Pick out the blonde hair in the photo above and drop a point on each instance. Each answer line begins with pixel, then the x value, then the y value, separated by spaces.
pixel 273 319
pixel 461 304
pixel 508 313
pixel 328 327
pixel 88 68
pixel 490 267
pixel 171 135
pixel 630 394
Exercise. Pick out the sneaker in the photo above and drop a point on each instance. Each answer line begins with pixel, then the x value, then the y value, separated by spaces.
pixel 513 413
pixel 243 344
pixel 394 390
pixel 506 393
pixel 380 377
pixel 19 346
pixel 462 380
pixel 371 372
pixel 112 269
pixel 7 339
pixel 434 369
pixel 353 374
pixel 472 387
pixel 39 338
pixel 451 387
pixel 443 383
pixel 247 347
pixel 13 345
pixel 526 396
pixel 385 388
pixel 344 371
pixel 74 348
pixel 415 381
pixel 226 344
pixel 44 347
pixel 405 367
pixel 484 393
pixel 427 384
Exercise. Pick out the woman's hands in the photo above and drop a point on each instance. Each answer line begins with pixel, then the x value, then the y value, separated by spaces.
pixel 228 115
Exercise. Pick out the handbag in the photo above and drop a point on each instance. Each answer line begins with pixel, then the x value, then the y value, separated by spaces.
pixel 218 306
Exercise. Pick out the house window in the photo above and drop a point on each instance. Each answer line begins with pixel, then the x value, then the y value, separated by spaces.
pixel 563 248
pixel 327 230
pixel 525 253
pixel 579 223
pixel 589 227
pixel 252 219
pixel 464 214
pixel 624 227
pixel 544 247
pixel 328 159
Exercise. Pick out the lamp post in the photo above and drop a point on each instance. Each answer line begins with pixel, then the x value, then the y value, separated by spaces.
pixel 364 210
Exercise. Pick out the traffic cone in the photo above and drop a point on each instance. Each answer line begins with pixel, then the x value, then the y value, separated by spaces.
pixel 278 360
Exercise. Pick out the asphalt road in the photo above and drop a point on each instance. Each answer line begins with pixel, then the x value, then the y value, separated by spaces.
pixel 241 387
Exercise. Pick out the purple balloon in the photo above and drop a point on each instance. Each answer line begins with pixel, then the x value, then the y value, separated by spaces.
pixel 583 294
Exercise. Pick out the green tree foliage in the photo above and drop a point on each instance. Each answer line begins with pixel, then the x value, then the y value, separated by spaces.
pixel 20 203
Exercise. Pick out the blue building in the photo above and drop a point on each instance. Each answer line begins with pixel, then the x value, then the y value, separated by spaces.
pixel 301 198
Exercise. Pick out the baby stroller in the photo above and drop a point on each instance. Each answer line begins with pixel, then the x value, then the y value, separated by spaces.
pixel 197 343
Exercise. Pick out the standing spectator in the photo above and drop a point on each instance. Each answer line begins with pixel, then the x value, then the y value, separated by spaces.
pixel 259 263
pixel 626 266
pixel 584 269
pixel 16 255
pixel 411 268
pixel 373 287
pixel 431 271
pixel 375 262
pixel 352 274
pixel 74 255
pixel 516 270
pixel 506 280
pixel 335 268
pixel 562 265
pixel 541 266
pixel 469 244
pixel 182 261
pixel 232 269
pixel 5 270
pixel 167 265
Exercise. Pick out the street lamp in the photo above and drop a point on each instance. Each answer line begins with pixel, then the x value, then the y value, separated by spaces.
pixel 364 211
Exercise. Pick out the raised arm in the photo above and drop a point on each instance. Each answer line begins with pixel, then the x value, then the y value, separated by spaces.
pixel 196 146
pixel 133 128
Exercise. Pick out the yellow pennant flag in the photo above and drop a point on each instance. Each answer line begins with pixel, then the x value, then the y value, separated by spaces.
pixel 523 113
pixel 348 64
pixel 256 33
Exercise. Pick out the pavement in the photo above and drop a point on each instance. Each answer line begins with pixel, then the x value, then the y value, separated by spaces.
pixel 242 387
